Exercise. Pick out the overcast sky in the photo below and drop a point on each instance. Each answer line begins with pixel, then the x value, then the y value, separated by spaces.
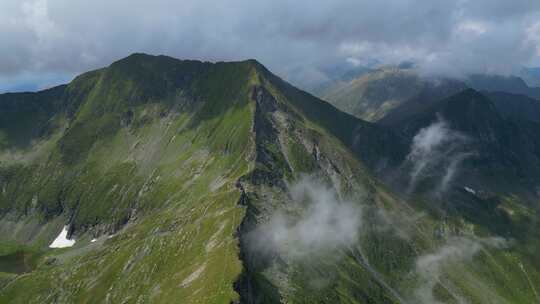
pixel 44 42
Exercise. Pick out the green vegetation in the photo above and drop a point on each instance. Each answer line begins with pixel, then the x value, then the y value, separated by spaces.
pixel 163 168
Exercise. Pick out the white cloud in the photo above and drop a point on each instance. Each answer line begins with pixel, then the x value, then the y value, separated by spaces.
pixel 36 17
pixel 436 152
pixel 457 250
pixel 66 37
pixel 326 224
pixel 472 27
pixel 533 36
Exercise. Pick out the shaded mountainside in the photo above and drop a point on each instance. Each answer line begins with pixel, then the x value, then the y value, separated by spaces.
pixel 25 116
pixel 505 146
pixel 196 182
pixel 516 106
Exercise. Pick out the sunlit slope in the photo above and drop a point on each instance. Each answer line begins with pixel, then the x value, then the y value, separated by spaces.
pixel 150 156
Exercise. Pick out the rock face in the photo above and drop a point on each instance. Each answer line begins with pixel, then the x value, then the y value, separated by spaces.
pixel 194 182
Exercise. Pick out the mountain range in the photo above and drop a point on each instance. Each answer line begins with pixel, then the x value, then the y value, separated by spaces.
pixel 181 181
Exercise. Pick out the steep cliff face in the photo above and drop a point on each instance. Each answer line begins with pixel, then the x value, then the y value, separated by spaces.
pixel 283 260
pixel 193 182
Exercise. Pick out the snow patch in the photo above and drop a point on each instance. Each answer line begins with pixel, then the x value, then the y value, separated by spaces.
pixel 61 240
pixel 470 190
pixel 93 240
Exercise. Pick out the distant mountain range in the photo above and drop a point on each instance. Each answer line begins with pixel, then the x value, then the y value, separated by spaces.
pixel 403 100
pixel 370 94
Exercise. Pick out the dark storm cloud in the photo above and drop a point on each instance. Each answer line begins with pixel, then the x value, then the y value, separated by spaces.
pixel 294 38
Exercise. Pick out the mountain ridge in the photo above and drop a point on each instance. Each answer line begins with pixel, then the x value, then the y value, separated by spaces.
pixel 177 180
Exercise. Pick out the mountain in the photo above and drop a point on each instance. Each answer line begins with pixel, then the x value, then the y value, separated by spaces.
pixel 498 83
pixel 531 76
pixel 511 106
pixel 516 106
pixel 169 180
pixel 504 147
pixel 336 76
pixel 372 95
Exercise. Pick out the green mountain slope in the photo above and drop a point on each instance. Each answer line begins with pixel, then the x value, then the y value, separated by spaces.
pixel 193 182
pixel 144 159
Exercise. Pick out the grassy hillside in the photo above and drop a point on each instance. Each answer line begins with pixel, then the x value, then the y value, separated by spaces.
pixel 154 167
pixel 194 182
